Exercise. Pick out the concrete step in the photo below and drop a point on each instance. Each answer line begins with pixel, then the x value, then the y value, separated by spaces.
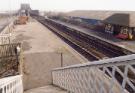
pixel 46 89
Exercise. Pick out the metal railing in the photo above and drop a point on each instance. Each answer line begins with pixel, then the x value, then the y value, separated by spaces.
pixel 8 28
pixel 116 75
pixel 5 34
pixel 8 50
pixel 5 39
pixel 11 84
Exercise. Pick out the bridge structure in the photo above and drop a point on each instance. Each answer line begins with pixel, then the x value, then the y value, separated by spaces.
pixel 111 75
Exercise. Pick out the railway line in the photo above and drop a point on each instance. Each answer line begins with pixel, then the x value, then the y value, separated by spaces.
pixel 90 47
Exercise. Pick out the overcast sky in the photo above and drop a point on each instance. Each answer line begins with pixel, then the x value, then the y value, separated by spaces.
pixel 68 5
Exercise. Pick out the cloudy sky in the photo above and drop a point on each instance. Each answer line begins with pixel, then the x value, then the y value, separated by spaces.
pixel 68 5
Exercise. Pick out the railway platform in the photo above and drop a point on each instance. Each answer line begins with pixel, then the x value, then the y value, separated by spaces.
pixel 42 51
pixel 127 44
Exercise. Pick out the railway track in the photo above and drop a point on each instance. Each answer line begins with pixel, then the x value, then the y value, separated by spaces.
pixel 90 47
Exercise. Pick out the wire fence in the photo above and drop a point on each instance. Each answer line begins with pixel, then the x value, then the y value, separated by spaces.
pixel 9 59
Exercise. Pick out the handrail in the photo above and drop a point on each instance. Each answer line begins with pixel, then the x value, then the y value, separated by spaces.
pixel 115 75
pixel 116 60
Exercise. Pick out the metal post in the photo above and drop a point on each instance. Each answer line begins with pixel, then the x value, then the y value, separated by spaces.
pixel 61 59
pixel 17 52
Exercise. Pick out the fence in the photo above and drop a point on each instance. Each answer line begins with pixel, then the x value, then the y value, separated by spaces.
pixel 5 39
pixel 8 28
pixel 11 84
pixel 5 34
pixel 9 59
pixel 116 75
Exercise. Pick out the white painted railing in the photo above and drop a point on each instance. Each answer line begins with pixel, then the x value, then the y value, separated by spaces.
pixel 116 75
pixel 11 84
pixel 8 29
pixel 5 38
pixel 5 34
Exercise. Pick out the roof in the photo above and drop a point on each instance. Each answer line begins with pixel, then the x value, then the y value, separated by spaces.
pixel 118 19
pixel 126 18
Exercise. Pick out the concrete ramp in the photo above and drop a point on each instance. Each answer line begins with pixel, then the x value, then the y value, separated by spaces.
pixel 37 68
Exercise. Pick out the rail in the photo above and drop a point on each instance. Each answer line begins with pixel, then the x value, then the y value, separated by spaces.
pixel 11 84
pixel 115 75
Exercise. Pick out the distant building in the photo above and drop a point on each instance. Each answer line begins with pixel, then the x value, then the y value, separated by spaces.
pixel 25 8
pixel 115 22
pixel 115 17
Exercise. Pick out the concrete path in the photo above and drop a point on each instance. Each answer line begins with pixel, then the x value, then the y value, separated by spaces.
pixel 46 89
pixel 42 51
